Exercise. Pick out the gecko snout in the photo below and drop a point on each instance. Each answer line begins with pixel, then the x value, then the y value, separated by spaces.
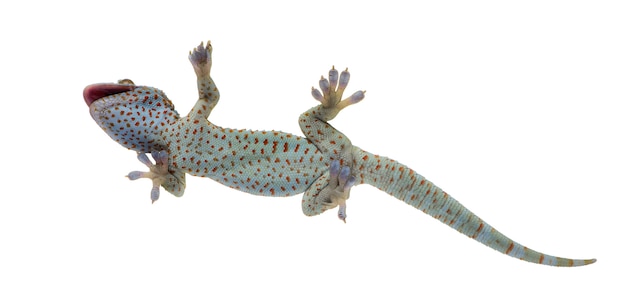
pixel 94 92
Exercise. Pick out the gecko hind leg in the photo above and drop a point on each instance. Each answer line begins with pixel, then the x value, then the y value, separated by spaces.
pixel 173 182
pixel 208 95
pixel 314 122
pixel 330 190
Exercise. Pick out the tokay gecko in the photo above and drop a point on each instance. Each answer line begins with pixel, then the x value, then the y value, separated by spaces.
pixel 324 165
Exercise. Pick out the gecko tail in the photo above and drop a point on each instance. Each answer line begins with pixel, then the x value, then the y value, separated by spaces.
pixel 466 222
pixel 405 184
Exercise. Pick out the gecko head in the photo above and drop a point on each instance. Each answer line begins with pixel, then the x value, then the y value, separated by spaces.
pixel 134 116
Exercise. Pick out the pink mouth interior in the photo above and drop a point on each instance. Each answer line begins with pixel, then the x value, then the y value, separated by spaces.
pixel 97 91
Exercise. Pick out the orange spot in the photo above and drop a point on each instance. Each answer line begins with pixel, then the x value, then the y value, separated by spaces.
pixel 508 250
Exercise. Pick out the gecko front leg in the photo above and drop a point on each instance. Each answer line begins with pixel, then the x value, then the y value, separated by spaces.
pixel 158 171
pixel 208 95
pixel 172 181
pixel 332 189
pixel 161 174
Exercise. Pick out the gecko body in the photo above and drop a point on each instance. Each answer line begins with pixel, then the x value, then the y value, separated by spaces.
pixel 324 165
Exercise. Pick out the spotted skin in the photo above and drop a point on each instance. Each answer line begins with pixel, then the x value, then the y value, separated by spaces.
pixel 324 165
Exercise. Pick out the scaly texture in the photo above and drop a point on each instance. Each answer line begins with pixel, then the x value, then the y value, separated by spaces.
pixel 324 165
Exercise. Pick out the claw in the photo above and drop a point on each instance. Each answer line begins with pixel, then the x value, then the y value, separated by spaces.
pixel 344 78
pixel 317 95
pixel 333 76
pixel 324 86
pixel 342 212
pixel 134 175
pixel 341 181
pixel 346 181
pixel 155 193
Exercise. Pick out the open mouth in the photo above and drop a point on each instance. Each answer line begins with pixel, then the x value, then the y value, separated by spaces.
pixel 94 92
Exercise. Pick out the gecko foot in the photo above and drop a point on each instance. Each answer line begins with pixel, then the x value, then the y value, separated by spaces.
pixel 314 122
pixel 200 59
pixel 158 171
pixel 329 191
pixel 340 183
pixel 332 91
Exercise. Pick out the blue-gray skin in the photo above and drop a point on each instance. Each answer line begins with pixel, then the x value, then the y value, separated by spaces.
pixel 324 165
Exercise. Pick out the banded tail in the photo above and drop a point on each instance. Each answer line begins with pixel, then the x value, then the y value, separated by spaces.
pixel 405 184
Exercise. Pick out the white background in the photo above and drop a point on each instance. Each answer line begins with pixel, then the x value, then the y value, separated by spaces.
pixel 516 110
